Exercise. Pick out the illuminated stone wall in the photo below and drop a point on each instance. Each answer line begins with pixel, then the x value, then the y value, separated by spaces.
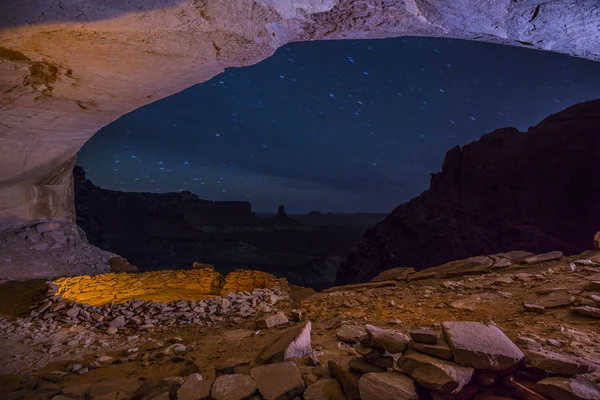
pixel 162 286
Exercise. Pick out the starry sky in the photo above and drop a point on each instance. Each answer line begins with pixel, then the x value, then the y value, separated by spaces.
pixel 342 126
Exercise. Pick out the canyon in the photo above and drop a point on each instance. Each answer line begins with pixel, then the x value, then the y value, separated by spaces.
pixel 174 230
pixel 536 191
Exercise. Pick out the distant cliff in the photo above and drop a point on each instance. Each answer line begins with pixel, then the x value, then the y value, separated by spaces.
pixel 537 191
pixel 127 222
pixel 172 230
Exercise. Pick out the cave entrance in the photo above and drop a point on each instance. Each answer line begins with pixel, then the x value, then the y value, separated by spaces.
pixel 335 126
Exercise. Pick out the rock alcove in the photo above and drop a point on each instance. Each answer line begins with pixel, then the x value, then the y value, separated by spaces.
pixel 67 70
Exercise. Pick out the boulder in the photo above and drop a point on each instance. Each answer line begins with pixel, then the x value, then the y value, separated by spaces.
pixel 394 274
pixel 540 258
pixel 293 342
pixel 194 388
pixel 324 389
pixel 278 381
pixel 587 311
pixel 387 386
pixel 481 346
pixel 568 388
pixel 232 387
pixel 424 336
pixel 271 321
pixel 387 339
pixel 340 370
pixel 434 373
pixel 351 333
pixel 558 363
pixel 596 241
pixel 440 349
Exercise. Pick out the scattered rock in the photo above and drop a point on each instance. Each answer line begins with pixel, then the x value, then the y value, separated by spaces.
pixel 120 388
pixel 534 307
pixel 324 389
pixel 387 339
pixel 469 266
pixel 360 364
pixel 587 311
pixel 529 343
pixel 118 322
pixel 293 342
pixel 194 388
pixel 424 336
pixel 370 353
pixel 516 255
pixel 519 390
pixel 440 349
pixel 434 373
pixel 540 258
pixel 556 300
pixel 568 388
pixel 387 386
pixel 347 379
pixel 271 321
pixel 481 346
pixel 394 274
pixel 558 363
pixel 232 387
pixel 351 333
pixel 189 368
pixel 278 381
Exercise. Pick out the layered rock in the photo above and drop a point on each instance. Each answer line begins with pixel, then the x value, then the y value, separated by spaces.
pixel 482 202
pixel 161 286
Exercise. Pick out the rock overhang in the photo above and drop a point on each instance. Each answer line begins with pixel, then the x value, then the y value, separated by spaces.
pixel 68 70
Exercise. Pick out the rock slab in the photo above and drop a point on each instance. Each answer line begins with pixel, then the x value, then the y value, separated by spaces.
pixel 387 386
pixel 481 346
pixel 278 381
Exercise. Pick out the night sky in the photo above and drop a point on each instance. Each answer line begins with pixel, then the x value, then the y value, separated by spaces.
pixel 340 126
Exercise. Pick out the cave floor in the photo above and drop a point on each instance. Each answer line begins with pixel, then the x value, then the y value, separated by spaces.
pixel 495 297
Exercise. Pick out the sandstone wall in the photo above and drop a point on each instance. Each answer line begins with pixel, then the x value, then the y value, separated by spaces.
pixel 69 68
pixel 162 286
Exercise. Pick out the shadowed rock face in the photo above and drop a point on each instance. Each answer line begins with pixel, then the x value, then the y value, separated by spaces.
pixel 67 69
pixel 537 191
